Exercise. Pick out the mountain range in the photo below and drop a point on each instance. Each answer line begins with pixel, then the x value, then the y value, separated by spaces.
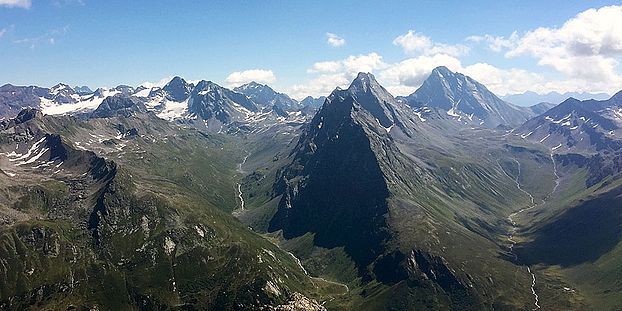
pixel 530 98
pixel 195 196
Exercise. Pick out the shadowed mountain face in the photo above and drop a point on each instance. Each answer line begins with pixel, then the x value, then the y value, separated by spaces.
pixel 349 179
pixel 466 100
pixel 340 150
pixel 581 234
pixel 336 152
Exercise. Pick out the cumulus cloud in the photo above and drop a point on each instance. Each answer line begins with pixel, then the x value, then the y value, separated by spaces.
pixel 414 42
pixel 504 81
pixel 586 49
pixel 584 52
pixel 336 73
pixel 321 85
pixel 334 40
pixel 328 66
pixel 404 77
pixel 590 33
pixel 25 4
pixel 352 64
pixel 242 77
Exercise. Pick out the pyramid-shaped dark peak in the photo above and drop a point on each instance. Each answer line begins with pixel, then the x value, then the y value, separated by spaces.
pixel 365 86
pixel 366 83
pixel 371 96
pixel 177 80
pixel 177 89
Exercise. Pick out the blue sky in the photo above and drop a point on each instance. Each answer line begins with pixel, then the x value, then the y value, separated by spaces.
pixel 286 43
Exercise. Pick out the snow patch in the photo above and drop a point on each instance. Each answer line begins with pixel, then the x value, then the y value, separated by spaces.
pixel 85 104
pixel 272 288
pixel 526 135
pixel 545 137
pixel 169 245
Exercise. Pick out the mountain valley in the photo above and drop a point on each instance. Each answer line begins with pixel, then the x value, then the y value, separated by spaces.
pixel 194 196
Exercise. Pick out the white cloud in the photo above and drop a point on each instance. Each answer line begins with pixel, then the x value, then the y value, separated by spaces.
pixel 586 49
pixel 504 81
pixel 335 40
pixel 351 65
pixel 321 85
pixel 584 52
pixel 405 77
pixel 328 66
pixel 496 43
pixel 337 73
pixel 25 4
pixel 242 77
pixel 590 33
pixel 363 63
pixel 414 42
pixel 408 74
